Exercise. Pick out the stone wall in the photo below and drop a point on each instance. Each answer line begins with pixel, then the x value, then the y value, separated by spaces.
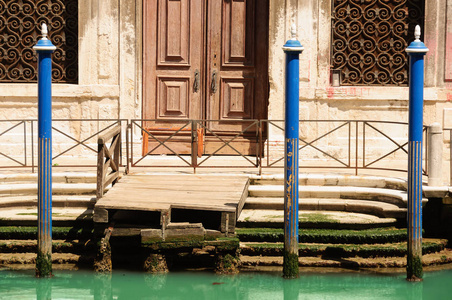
pixel 110 78
pixel 320 101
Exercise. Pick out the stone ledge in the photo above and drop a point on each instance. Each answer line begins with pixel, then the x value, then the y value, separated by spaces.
pixel 435 191
pixel 21 91
pixel 344 192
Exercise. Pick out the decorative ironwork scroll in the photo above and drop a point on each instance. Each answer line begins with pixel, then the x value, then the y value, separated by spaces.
pixel 370 38
pixel 20 27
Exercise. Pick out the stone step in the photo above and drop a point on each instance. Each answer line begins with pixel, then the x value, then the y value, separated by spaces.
pixel 380 209
pixel 28 216
pixel 84 201
pixel 263 262
pixel 396 197
pixel 58 246
pixel 311 219
pixel 343 236
pixel 57 258
pixel 57 189
pixel 57 177
pixel 308 179
pixel 59 233
pixel 342 250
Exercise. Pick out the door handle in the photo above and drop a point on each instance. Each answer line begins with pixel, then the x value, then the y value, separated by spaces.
pixel 196 82
pixel 213 84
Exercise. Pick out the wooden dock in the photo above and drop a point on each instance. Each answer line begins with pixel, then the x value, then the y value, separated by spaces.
pixel 172 206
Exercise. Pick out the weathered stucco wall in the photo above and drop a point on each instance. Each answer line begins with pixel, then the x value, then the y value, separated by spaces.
pixel 110 72
pixel 320 101
pixel 109 78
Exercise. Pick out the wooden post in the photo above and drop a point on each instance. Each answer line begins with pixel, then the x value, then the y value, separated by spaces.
pixel 292 48
pixel 100 170
pixel 416 50
pixel 44 48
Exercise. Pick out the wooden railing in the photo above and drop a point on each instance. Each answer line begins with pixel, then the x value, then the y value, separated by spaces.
pixel 108 159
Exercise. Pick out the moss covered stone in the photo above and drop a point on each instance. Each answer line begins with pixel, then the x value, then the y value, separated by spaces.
pixel 367 236
pixel 30 232
pixel 102 263
pixel 227 264
pixel 155 263
pixel 341 250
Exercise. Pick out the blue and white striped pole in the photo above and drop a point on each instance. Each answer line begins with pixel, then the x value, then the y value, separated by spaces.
pixel 416 50
pixel 44 48
pixel 292 48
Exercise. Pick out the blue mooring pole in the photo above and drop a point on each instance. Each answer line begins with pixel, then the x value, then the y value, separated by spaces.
pixel 44 48
pixel 292 48
pixel 416 50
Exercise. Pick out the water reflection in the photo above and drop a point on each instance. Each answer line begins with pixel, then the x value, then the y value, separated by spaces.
pixel 127 285
pixel 44 289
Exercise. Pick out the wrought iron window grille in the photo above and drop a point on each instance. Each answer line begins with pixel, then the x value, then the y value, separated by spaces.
pixel 369 38
pixel 20 27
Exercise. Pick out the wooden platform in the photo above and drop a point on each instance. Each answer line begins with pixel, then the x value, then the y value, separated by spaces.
pixel 192 195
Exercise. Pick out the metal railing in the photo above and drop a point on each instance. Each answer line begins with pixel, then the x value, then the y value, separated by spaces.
pixel 336 144
pixel 65 135
pixel 184 142
pixel 355 135
pixel 355 145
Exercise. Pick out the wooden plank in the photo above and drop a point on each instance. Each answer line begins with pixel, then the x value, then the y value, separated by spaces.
pixel 109 134
pixel 242 199
pixel 163 193
pixel 205 207
pixel 100 172
pixel 181 179
pixel 126 232
pixel 191 233
pixel 100 215
pixel 151 235
pixel 228 221
pixel 133 206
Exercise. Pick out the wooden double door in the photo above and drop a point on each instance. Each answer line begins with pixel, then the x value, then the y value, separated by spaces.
pixel 205 60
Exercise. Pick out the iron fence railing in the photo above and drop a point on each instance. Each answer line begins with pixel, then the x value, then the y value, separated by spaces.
pixel 332 144
pixel 66 136
pixel 355 136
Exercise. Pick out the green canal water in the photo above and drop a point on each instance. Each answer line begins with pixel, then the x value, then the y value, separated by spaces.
pixel 196 285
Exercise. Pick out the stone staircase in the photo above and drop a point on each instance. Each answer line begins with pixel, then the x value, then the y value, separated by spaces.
pixel 377 201
pixel 345 221
pixel 73 201
pixel 348 221
pixel 73 198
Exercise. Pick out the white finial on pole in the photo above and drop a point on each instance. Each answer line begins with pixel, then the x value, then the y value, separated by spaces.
pixel 293 31
pixel 44 31
pixel 417 33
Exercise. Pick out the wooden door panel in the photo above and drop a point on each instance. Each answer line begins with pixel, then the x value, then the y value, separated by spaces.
pixel 173 54
pixel 173 94
pixel 173 37
pixel 238 33
pixel 232 56
pixel 234 98
pixel 173 33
